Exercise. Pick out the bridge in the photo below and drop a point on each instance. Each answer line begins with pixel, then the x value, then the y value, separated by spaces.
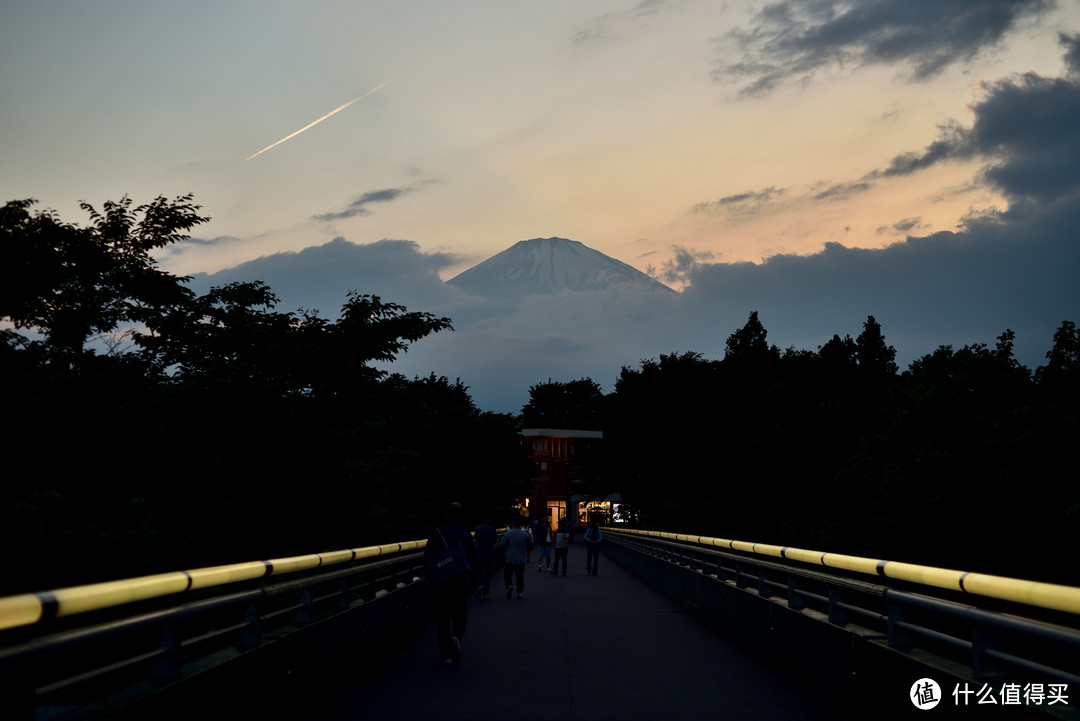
pixel 674 627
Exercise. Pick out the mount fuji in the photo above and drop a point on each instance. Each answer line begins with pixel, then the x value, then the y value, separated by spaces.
pixel 544 266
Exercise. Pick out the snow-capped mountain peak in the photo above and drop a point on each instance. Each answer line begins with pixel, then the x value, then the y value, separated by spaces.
pixel 548 265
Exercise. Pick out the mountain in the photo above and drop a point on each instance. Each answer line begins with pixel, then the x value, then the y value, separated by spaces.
pixel 547 265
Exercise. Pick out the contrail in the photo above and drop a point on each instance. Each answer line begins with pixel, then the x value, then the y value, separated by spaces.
pixel 311 125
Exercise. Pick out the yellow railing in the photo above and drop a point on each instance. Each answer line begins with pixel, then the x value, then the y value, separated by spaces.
pixel 29 608
pixel 1033 593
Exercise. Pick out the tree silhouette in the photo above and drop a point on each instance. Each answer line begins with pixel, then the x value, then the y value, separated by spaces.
pixel 554 404
pixel 1063 359
pixel 229 430
pixel 70 283
pixel 748 345
pixel 875 358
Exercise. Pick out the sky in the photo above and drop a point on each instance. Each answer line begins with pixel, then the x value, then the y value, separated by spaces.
pixel 816 161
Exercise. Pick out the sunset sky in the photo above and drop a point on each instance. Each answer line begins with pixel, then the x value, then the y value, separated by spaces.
pixel 684 138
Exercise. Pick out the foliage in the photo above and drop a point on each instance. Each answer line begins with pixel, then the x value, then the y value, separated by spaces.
pixel 228 430
pixel 554 404
pixel 70 283
pixel 956 462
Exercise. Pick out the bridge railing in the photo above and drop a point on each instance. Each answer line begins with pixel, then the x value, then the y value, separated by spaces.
pixel 74 652
pixel 1002 630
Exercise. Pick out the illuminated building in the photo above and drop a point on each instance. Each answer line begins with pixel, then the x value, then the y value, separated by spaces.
pixel 552 450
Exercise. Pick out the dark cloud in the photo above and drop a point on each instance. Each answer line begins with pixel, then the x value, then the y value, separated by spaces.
pixel 211 242
pixel 1014 269
pixel 359 205
pixel 1072 52
pixel 607 27
pixel 794 39
pixel 686 261
pixel 175 251
pixel 772 199
pixel 842 191
pixel 904 226
pixel 1031 126
pixel 741 204
pixel 1027 130
pixel 945 288
pixel 319 277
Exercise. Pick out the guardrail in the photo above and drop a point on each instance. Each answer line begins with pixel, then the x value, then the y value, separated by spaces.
pixel 76 652
pixel 1026 632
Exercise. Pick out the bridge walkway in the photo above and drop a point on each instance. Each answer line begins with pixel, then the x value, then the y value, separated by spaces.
pixel 575 647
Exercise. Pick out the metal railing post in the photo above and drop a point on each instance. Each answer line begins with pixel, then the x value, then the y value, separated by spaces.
pixel 306 612
pixel 740 576
pixel 795 601
pixel 837 615
pixel 984 668
pixel 167 666
pixel 342 601
pixel 899 638
pixel 250 635
pixel 763 588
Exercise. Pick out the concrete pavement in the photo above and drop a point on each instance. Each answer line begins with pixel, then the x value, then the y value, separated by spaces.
pixel 575 647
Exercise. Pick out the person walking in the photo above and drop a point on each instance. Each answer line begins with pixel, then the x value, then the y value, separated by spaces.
pixel 562 548
pixel 449 560
pixel 485 559
pixel 593 537
pixel 542 539
pixel 517 544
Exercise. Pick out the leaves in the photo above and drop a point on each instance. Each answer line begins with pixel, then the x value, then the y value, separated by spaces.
pixel 229 431
pixel 70 283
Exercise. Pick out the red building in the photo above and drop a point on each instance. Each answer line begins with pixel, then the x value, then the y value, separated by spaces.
pixel 552 450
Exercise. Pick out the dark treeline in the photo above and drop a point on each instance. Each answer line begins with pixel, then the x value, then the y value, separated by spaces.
pixel 217 429
pixel 221 430
pixel 965 460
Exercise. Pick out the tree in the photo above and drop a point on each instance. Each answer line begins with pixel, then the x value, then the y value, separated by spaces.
pixel 71 283
pixel 874 357
pixel 839 355
pixel 575 404
pixel 222 433
pixel 233 334
pixel 748 345
pixel 371 329
pixel 1063 359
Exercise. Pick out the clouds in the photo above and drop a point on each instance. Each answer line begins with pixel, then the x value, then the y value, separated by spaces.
pixel 359 205
pixel 318 277
pixel 1026 129
pixel 903 226
pixel 1014 268
pixel 498 347
pixel 677 271
pixel 741 204
pixel 1024 137
pixel 1072 52
pixel 603 123
pixel 796 40
pixel 772 200
pixel 944 288
pixel 1010 269
pixel 608 26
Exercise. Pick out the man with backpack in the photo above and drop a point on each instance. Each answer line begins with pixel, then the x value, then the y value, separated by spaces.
pixel 449 560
